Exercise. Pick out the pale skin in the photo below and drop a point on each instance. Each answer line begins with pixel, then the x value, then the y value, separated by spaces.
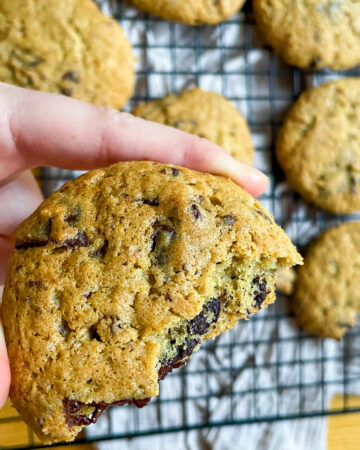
pixel 38 129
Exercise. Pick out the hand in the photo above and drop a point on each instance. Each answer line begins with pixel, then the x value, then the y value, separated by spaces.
pixel 38 129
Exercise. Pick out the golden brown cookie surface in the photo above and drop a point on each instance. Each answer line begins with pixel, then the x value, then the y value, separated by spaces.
pixel 205 114
pixel 312 33
pixel 192 12
pixel 66 47
pixel 118 277
pixel 327 299
pixel 318 146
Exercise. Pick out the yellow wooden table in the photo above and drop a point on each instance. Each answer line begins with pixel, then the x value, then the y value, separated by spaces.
pixel 343 431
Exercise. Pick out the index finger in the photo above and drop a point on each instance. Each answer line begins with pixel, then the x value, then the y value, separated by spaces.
pixel 37 128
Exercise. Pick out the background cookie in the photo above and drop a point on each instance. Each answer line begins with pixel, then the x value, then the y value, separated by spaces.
pixel 189 11
pixel 319 146
pixel 206 114
pixel 327 298
pixel 118 277
pixel 312 33
pixel 66 47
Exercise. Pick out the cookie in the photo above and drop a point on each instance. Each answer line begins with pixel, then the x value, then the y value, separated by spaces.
pixel 327 299
pixel 66 47
pixel 199 12
pixel 318 146
pixel 286 280
pixel 311 33
pixel 119 276
pixel 206 114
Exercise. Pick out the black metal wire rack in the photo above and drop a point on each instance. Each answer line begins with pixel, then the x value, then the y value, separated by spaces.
pixel 267 361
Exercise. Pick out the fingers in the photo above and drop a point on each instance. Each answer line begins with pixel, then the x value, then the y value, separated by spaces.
pixel 18 199
pixel 47 129
pixel 4 366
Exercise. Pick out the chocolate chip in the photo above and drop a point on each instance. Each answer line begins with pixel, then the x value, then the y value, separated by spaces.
pixel 200 324
pixel 182 352
pixel 26 57
pixel 33 243
pixel 71 75
pixel 228 220
pixel 196 212
pixel 81 240
pixel 64 328
pixel 67 91
pixel 261 292
pixel 168 297
pixel 152 201
pixel 73 407
pixel 175 171
pixel 163 235
pixel 94 334
pixel 101 252
pixel 48 227
pixel 139 403
pixel 70 219
pixel 74 216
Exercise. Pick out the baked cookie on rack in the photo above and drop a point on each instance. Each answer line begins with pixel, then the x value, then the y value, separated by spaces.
pixel 199 12
pixel 327 299
pixel 318 146
pixel 119 276
pixel 312 33
pixel 206 114
pixel 67 47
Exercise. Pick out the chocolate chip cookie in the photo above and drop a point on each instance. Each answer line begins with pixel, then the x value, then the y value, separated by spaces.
pixel 318 146
pixel 67 47
pixel 327 298
pixel 119 276
pixel 197 12
pixel 312 33
pixel 206 114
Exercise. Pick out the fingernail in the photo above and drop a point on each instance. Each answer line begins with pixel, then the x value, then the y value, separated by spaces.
pixel 254 181
pixel 249 178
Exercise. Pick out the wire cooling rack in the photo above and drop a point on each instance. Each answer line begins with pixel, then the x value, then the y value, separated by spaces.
pixel 267 361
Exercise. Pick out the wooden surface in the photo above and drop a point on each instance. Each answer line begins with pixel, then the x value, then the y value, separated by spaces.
pixel 343 431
